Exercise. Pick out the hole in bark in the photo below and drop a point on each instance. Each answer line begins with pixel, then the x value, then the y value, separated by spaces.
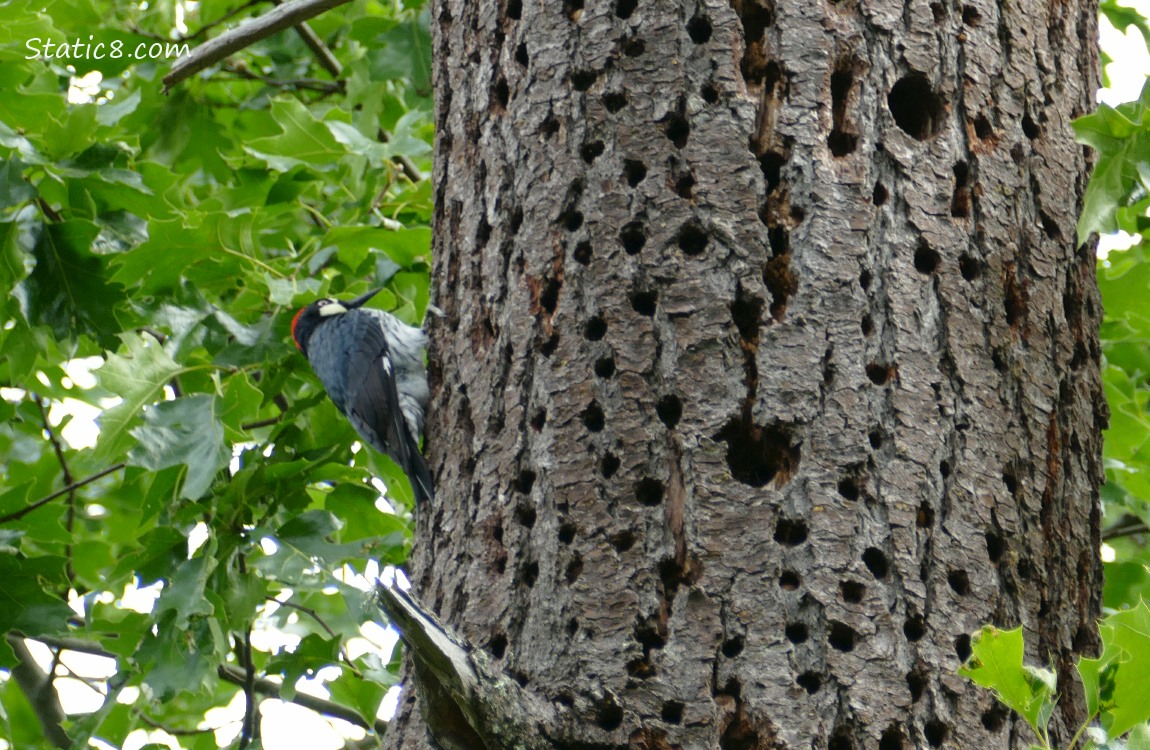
pixel 516 221
pixel 1025 569
pixel 841 637
pixel 649 491
pixel 971 16
pixel 959 581
pixel 502 92
pixel 634 48
pixel 525 481
pixel 567 532
pixel 756 455
pixel 733 646
pixel 593 418
pixel 498 645
pixel 865 279
pixel 521 54
pixel 605 367
pixel 591 151
pixel 879 195
pixel 539 420
pixel 1016 299
pixel 935 732
pixel 924 519
pixel 685 185
pixel 1030 127
pixel 608 714
pixel 917 109
pixel 672 712
pixel 1050 226
pixel 634 171
pixel 867 325
pixel 969 268
pixel 852 591
pixel 772 165
pixel 574 569
pixel 709 93
pixel 482 233
pixel 624 8
pixel 623 540
pixel 670 410
pixel 647 633
pixel 994 717
pixel 875 438
pixel 880 374
pixel 779 240
pixel 644 303
pixel 614 101
pixel 944 468
pixel 780 282
pixel 796 633
pixel 565 698
pixel 525 515
pixel 581 80
pixel 692 238
pixel 938 10
pixel 514 9
pixel 790 533
pixel 960 199
pixel 549 299
pixel 925 259
pixel 633 237
pixel 876 562
pixel 841 740
pixel 789 580
pixel 677 129
pixel 840 142
pixel 530 574
pixel 747 313
pixel 595 329
pixel 916 683
pixel 573 9
pixel 699 29
pixel 982 127
pixel 849 488
pixel 809 681
pixel 962 647
pixel 914 628
pixel 609 465
pixel 583 252
pixel 571 219
pixel 995 546
pixel 1010 480
pixel 892 738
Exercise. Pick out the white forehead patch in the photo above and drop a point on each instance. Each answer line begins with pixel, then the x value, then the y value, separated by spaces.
pixel 327 308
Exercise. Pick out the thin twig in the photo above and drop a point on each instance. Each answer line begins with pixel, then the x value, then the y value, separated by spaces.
pixel 70 517
pixel 251 725
pixel 262 423
pixel 1124 528
pixel 285 16
pixel 323 55
pixel 18 514
pixel 315 616
pixel 291 84
pixel 264 686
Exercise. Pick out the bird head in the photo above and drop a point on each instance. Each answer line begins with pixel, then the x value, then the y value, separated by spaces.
pixel 305 322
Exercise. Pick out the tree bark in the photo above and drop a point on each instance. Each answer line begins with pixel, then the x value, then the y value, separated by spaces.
pixel 769 369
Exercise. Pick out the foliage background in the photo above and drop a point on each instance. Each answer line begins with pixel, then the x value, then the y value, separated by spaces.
pixel 163 242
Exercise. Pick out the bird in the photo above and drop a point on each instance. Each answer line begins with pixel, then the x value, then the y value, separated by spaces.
pixel 372 366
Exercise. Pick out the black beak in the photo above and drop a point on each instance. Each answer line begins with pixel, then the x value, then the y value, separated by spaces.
pixel 361 300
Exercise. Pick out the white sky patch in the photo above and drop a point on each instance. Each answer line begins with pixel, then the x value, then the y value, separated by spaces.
pixel 141 600
pixel 84 89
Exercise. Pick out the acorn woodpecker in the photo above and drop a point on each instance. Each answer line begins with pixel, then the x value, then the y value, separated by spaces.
pixel 371 365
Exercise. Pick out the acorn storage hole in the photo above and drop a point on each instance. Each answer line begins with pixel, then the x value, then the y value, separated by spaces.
pixel 917 109
pixel 756 455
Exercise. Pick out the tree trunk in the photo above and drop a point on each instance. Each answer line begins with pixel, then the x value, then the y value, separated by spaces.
pixel 769 369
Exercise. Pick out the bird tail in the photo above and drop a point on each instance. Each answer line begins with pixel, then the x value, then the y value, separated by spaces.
pixel 420 477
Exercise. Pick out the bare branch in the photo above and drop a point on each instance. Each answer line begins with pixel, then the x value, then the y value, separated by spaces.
pixel 18 514
pixel 37 688
pixel 70 519
pixel 236 676
pixel 323 55
pixel 287 15
pixel 315 616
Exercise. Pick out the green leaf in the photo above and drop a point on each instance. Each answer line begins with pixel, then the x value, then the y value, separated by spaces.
pixel 137 375
pixel 184 432
pixel 14 189
pixel 1118 682
pixel 303 140
pixel 996 663
pixel 69 289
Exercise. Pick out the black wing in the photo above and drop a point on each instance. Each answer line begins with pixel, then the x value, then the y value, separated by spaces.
pixel 373 403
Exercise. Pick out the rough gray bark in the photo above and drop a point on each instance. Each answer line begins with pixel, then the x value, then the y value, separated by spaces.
pixel 769 368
